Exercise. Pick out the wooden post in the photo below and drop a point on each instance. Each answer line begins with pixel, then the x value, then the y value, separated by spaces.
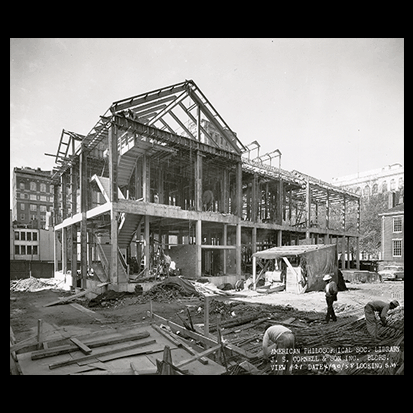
pixel 328 210
pixel 39 334
pixel 343 252
pixel 308 208
pixel 206 316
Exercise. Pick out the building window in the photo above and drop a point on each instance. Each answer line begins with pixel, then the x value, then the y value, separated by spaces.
pixel 42 187
pixel 22 250
pixel 392 185
pixel 358 190
pixel 34 236
pixel 366 191
pixel 16 235
pixel 397 248
pixel 401 182
pixel 22 217
pixel 29 250
pixel 22 207
pixel 21 185
pixel 35 249
pixel 33 197
pixel 375 189
pixel 29 236
pixel 17 250
pixel 43 198
pixel 384 186
pixel 33 186
pixel 23 236
pixel 43 208
pixel 397 224
pixel 33 207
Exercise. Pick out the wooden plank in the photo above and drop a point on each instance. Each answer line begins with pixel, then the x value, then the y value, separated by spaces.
pixel 198 356
pixel 97 355
pixel 72 297
pixel 92 343
pixel 209 341
pixel 83 347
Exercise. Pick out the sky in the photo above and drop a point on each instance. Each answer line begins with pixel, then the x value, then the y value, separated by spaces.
pixel 333 107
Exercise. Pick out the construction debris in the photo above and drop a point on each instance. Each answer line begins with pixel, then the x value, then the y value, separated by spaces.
pixel 33 284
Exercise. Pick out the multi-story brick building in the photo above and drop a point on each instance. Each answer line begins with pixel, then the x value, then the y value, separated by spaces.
pixel 32 197
pixel 392 233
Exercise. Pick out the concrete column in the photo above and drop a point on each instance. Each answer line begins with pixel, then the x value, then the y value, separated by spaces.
pixel 147 250
pixel 198 236
pixel 224 242
pixel 113 272
pixel 55 251
pixel 254 240
pixel 279 238
pixel 254 271
pixel 357 253
pixel 238 249
pixel 83 223
pixel 64 250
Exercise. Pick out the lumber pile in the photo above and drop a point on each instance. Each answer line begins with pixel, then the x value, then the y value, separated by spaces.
pixel 353 333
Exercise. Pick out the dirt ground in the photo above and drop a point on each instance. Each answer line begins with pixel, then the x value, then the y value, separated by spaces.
pixel 27 307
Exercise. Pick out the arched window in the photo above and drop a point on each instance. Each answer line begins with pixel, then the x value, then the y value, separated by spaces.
pixel 401 182
pixel 358 190
pixel 375 189
pixel 393 185
pixel 21 185
pixel 366 191
pixel 384 186
pixel 33 186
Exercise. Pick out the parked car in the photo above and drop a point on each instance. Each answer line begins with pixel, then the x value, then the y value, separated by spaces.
pixel 392 272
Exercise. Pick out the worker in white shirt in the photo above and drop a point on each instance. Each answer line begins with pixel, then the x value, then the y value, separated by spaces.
pixel 276 346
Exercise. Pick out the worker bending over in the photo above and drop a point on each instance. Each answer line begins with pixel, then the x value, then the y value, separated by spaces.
pixel 275 344
pixel 331 296
pixel 381 308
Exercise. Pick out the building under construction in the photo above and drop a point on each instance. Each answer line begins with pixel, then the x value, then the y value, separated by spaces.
pixel 162 173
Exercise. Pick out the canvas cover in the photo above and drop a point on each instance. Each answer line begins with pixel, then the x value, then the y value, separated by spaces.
pixel 319 263
pixel 316 261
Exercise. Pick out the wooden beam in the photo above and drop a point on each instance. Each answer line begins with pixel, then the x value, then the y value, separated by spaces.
pixel 100 354
pixel 147 97
pixel 72 297
pixel 83 347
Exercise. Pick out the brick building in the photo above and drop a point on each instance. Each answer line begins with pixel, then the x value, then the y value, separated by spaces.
pixel 392 232
pixel 32 195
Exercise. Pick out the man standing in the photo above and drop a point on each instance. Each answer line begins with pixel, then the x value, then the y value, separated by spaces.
pixel 276 343
pixel 381 308
pixel 331 296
